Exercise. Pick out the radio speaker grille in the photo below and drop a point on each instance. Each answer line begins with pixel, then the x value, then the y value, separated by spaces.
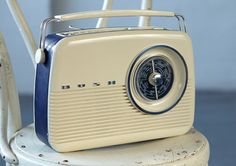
pixel 107 111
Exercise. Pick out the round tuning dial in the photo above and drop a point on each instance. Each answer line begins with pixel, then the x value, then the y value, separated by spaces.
pixel 154 78
pixel 157 79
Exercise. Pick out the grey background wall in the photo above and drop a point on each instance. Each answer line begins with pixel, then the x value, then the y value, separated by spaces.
pixel 211 28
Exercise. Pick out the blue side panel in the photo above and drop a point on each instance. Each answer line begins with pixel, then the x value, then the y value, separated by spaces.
pixel 41 90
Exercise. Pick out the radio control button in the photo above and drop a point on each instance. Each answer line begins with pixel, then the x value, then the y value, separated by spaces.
pixel 40 56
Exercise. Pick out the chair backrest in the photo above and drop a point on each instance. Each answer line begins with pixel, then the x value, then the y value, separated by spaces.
pixel 23 27
pixel 144 21
pixel 10 117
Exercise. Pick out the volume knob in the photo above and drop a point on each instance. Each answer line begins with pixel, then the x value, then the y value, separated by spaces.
pixel 155 79
pixel 40 56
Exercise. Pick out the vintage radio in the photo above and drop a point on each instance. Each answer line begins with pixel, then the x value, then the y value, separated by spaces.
pixel 108 86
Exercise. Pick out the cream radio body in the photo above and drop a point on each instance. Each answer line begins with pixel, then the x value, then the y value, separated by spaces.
pixel 113 86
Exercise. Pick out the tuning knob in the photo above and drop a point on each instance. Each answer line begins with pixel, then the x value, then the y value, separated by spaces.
pixel 40 56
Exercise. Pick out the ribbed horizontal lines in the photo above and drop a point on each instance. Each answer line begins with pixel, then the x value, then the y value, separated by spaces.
pixel 99 104
pixel 87 91
pixel 89 121
pixel 88 101
pixel 102 109
pixel 107 111
pixel 105 132
pixel 92 97
pixel 116 113
pixel 119 108
pixel 97 128
pixel 89 111
pixel 92 105
pixel 188 91
pixel 118 131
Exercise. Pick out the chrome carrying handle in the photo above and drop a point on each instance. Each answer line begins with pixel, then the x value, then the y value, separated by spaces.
pixel 113 13
pixel 105 14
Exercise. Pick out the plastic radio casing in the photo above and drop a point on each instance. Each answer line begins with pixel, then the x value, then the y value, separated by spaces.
pixel 83 98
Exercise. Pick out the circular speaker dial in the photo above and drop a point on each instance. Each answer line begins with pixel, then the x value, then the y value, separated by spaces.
pixel 157 80
pixel 154 78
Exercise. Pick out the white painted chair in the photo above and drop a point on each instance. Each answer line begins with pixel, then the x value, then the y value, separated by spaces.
pixel 191 149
